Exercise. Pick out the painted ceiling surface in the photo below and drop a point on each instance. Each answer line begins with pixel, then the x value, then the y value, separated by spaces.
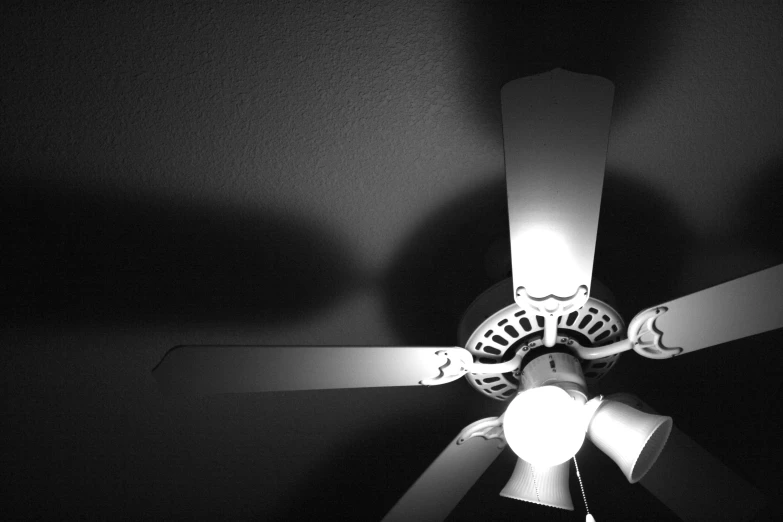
pixel 331 173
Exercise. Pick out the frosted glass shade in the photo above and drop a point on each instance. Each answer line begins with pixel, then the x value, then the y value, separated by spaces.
pixel 550 487
pixel 631 438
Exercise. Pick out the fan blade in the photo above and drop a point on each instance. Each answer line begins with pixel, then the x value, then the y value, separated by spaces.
pixel 247 369
pixel 440 488
pixel 555 132
pixel 739 308
pixel 693 483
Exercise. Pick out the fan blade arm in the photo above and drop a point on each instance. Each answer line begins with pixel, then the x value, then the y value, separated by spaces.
pixel 599 352
pixel 555 134
pixel 451 475
pixel 739 308
pixel 250 369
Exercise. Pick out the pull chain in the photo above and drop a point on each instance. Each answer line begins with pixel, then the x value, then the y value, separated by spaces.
pixel 535 485
pixel 589 517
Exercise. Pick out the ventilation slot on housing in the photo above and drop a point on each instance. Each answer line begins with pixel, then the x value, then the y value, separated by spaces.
pixel 525 324
pixel 586 319
pixel 603 335
pixel 595 327
pixel 501 341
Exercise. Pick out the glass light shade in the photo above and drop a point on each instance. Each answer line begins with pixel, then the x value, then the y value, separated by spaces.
pixel 544 426
pixel 631 438
pixel 545 486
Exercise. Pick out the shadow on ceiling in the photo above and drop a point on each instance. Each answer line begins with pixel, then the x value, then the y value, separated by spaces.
pixel 508 40
pixel 641 243
pixel 760 212
pixel 441 267
pixel 79 255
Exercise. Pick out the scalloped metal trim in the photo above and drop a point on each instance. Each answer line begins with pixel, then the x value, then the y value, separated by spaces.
pixel 552 304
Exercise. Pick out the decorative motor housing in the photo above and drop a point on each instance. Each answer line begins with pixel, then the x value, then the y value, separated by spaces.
pixel 494 328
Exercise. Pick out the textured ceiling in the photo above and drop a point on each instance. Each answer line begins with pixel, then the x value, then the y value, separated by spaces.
pixel 290 173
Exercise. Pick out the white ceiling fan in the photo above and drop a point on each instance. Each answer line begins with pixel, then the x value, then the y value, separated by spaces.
pixel 540 337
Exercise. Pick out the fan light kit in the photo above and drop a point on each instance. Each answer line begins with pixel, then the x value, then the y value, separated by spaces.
pixel 539 338
pixel 544 426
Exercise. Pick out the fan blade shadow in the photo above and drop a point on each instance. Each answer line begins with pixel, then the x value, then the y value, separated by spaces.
pixel 79 254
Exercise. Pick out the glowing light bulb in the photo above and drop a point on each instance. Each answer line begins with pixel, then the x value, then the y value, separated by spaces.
pixel 551 261
pixel 544 426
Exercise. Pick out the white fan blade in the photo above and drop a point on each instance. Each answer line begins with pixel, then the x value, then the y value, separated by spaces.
pixel 694 484
pixel 247 369
pixel 739 308
pixel 440 488
pixel 555 132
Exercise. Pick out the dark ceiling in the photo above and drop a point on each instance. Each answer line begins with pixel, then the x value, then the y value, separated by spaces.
pixel 290 173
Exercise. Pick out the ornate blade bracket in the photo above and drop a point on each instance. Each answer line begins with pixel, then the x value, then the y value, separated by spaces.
pixel 455 365
pixel 488 429
pixel 460 362
pixel 647 337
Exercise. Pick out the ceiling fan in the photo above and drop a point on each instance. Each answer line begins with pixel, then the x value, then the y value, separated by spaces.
pixel 540 337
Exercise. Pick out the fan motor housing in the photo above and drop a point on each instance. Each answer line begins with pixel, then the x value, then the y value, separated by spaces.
pixel 494 328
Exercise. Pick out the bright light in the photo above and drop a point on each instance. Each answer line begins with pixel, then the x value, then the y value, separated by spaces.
pixel 550 261
pixel 544 426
